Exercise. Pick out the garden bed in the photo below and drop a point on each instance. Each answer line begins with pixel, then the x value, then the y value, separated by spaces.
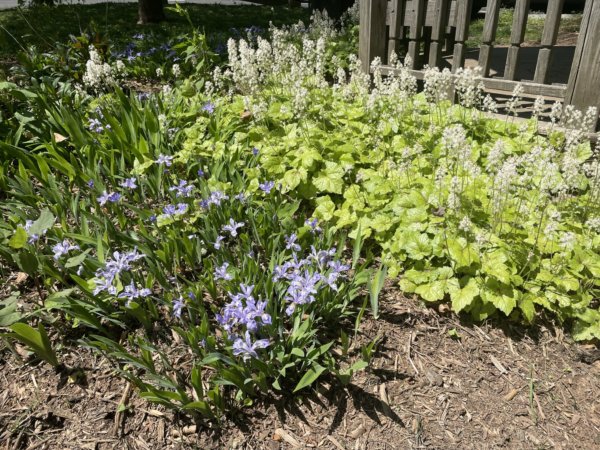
pixel 255 245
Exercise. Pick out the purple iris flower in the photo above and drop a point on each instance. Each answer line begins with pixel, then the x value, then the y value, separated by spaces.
pixel 172 210
pixel 90 184
pixel 131 292
pixel 218 241
pixel 222 274
pixel 181 208
pixel 216 197
pixel 95 125
pixel 232 227
pixel 62 248
pixel 129 183
pixel 246 348
pixel 164 159
pixel 254 151
pixel 314 225
pixel 209 107
pixel 200 173
pixel 112 197
pixel 33 238
pixel 302 289
pixel 290 243
pixel 169 210
pixel 104 284
pixel 244 311
pixel 178 305
pixel 337 266
pixel 183 189
pixel 119 263
pixel 267 186
pixel 321 257
pixel 246 291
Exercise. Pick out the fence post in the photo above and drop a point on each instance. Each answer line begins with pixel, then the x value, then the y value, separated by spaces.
pixel 372 34
pixel 583 89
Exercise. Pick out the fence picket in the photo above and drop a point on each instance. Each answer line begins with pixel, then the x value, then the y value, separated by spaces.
pixel 490 26
pixel 372 32
pixel 463 18
pixel 437 22
pixel 442 12
pixel 548 40
pixel 416 32
pixel 583 89
pixel 516 38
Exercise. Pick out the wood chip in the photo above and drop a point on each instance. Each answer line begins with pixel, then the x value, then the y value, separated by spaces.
pixel 335 442
pixel 287 437
pixel 360 430
pixel 383 394
pixel 498 364
pixel 21 278
pixel 434 378
pixel 512 394
pixel 190 429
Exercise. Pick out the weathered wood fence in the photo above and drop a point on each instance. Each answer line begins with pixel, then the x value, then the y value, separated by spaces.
pixel 428 29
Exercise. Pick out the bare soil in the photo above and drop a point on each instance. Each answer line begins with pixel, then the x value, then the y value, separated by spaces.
pixel 436 382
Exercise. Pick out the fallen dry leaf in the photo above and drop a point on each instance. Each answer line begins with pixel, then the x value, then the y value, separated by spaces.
pixel 59 137
pixel 21 277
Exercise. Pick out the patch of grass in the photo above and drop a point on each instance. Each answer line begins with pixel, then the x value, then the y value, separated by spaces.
pixel 43 26
pixel 533 32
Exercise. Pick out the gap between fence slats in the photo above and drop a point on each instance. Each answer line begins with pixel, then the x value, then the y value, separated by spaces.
pixel 397 13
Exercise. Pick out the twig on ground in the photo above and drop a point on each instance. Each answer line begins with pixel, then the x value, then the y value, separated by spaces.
pixel 408 351
pixel 38 444
pixel 287 437
pixel 121 409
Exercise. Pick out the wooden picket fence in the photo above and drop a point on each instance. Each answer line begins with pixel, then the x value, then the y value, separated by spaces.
pixel 428 29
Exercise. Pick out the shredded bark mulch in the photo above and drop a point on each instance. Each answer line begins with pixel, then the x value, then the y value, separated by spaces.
pixel 436 382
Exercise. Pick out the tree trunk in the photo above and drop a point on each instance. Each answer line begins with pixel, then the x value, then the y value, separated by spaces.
pixel 150 11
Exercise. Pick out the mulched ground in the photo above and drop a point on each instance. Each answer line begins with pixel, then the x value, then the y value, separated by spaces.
pixel 435 383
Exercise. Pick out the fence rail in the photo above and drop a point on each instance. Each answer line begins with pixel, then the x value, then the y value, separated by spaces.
pixel 429 29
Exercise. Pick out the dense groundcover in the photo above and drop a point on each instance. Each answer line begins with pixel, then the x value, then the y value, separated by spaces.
pixel 219 228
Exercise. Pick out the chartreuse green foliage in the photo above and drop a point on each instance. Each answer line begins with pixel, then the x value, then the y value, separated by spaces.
pixel 485 214
pixel 397 187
